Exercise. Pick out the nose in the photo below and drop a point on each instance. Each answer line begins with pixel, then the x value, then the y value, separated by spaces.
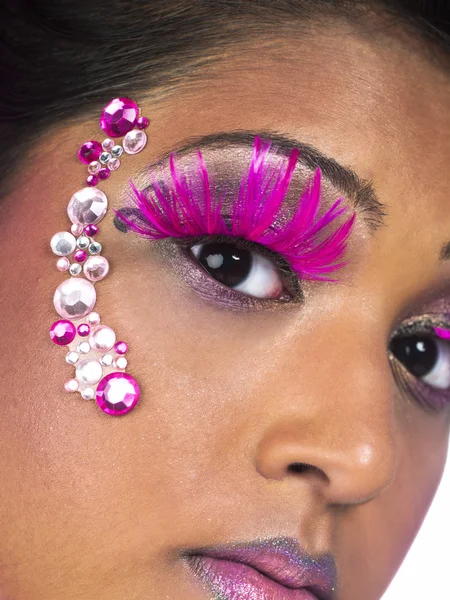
pixel 334 425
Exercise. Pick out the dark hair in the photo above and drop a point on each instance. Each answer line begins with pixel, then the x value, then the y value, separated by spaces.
pixel 64 58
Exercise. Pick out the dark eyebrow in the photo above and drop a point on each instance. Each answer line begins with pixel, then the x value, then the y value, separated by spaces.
pixel 359 191
pixel 445 252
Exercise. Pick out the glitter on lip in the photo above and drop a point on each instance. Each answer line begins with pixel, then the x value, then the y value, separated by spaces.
pixel 275 569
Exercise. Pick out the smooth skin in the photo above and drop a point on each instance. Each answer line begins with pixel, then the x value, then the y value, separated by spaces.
pixel 96 507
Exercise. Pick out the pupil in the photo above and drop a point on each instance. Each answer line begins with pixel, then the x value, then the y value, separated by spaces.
pixel 226 263
pixel 418 354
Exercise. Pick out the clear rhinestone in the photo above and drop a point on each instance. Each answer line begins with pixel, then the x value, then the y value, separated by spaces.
pixel 93 318
pixel 83 347
pixel 107 360
pixel 63 243
pixel 72 358
pixel 121 362
pixel 103 338
pixel 74 298
pixel 83 242
pixel 75 269
pixel 95 248
pixel 117 151
pixel 104 157
pixel 87 206
pixel 89 371
pixel 134 141
pixel 88 393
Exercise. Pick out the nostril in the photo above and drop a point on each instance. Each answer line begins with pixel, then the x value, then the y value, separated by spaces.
pixel 300 468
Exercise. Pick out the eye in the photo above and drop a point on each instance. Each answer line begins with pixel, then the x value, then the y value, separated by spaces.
pixel 425 357
pixel 242 269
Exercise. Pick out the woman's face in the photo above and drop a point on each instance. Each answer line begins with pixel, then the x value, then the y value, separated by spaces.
pixel 100 507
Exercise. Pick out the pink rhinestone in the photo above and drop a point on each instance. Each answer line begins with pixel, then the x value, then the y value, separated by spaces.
pixel 142 123
pixel 71 385
pixel 108 145
pixel 74 298
pixel 104 173
pixel 121 347
pixel 83 329
pixel 89 151
pixel 87 206
pixel 63 332
pixel 117 393
pixel 63 263
pixel 134 141
pixel 94 318
pixel 113 164
pixel 91 230
pixel 76 229
pixel 94 167
pixel 80 256
pixel 92 180
pixel 96 268
pixel 118 117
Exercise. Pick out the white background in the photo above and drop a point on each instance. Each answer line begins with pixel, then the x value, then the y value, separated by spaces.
pixel 424 573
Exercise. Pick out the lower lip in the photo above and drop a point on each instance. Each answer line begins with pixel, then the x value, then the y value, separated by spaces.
pixel 229 580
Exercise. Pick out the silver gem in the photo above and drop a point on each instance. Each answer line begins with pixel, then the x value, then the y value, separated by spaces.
pixel 121 362
pixel 89 371
pixel 83 347
pixel 107 360
pixel 72 358
pixel 75 269
pixel 63 243
pixel 74 298
pixel 104 157
pixel 83 242
pixel 88 393
pixel 87 206
pixel 95 248
pixel 117 151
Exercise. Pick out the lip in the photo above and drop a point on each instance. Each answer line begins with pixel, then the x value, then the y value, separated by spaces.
pixel 273 569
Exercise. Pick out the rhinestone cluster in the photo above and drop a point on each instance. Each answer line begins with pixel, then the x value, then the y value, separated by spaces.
pixel 120 119
pixel 93 350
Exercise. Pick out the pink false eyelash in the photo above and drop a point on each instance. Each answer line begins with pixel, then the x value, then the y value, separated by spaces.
pixel 177 209
pixel 442 333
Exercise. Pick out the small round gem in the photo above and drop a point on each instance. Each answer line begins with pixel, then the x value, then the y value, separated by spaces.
pixel 104 173
pixel 91 230
pixel 74 298
pixel 75 269
pixel 76 229
pixel 63 243
pixel 107 360
pixel 121 347
pixel 87 206
pixel 94 167
pixel 96 268
pixel 83 329
pixel 117 151
pixel 142 123
pixel 62 332
pixel 108 144
pixel 89 151
pixel 80 256
pixel 72 358
pixel 121 362
pixel 88 393
pixel 93 318
pixel 104 157
pixel 83 347
pixel 134 141
pixel 95 248
pixel 71 385
pixel 89 371
pixel 103 338
pixel 63 263
pixel 92 180
pixel 117 393
pixel 114 164
pixel 118 117
pixel 83 242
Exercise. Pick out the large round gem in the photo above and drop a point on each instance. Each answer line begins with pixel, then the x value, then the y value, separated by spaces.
pixel 134 141
pixel 102 338
pixel 118 117
pixel 96 268
pixel 63 332
pixel 117 393
pixel 74 298
pixel 63 243
pixel 89 371
pixel 88 205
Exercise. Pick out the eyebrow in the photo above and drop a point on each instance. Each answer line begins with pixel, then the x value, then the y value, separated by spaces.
pixel 445 252
pixel 358 190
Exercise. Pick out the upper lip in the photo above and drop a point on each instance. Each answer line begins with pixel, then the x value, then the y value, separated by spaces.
pixel 282 560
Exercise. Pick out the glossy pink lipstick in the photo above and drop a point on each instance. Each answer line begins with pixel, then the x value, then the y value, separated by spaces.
pixel 273 569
